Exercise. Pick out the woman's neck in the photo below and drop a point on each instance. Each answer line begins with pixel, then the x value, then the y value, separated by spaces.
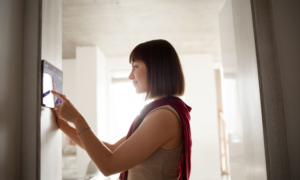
pixel 158 98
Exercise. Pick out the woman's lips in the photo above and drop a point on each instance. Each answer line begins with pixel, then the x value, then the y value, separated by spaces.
pixel 134 83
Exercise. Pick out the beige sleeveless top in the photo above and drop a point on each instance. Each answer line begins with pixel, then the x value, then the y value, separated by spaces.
pixel 162 164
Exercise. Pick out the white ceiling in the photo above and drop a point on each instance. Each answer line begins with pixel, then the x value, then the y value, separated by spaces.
pixel 117 26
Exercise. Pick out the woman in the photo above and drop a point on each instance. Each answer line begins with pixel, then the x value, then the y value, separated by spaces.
pixel 158 144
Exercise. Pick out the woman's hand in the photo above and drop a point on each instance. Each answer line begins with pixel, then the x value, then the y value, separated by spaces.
pixel 62 124
pixel 66 110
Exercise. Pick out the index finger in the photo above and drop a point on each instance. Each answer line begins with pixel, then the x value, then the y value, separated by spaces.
pixel 60 96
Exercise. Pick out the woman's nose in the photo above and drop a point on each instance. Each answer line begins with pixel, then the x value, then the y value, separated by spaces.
pixel 130 76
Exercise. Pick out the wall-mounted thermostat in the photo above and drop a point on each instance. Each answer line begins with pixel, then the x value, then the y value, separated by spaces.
pixel 52 79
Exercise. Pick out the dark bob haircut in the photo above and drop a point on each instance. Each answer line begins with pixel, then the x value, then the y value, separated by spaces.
pixel 164 72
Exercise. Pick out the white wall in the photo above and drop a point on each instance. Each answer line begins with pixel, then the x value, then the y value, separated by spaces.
pixel 85 86
pixel 90 86
pixel 11 47
pixel 201 96
pixel 230 94
pixel 114 64
pixel 69 84
pixel 69 81
pixel 51 50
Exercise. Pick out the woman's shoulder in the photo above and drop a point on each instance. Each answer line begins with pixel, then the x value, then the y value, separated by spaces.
pixel 166 111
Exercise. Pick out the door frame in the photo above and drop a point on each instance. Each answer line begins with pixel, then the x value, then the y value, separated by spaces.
pixel 261 98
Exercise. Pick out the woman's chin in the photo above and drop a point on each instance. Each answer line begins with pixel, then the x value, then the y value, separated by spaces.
pixel 138 91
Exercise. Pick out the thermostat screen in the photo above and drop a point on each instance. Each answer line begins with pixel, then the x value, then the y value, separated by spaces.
pixel 52 80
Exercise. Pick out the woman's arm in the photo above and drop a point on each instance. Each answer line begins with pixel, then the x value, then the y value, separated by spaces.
pixel 157 129
pixel 67 129
pixel 72 133
pixel 113 147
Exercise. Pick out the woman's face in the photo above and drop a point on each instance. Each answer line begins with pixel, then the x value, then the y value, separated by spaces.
pixel 139 76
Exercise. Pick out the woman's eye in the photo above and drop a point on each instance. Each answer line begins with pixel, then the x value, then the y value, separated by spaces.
pixel 134 67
